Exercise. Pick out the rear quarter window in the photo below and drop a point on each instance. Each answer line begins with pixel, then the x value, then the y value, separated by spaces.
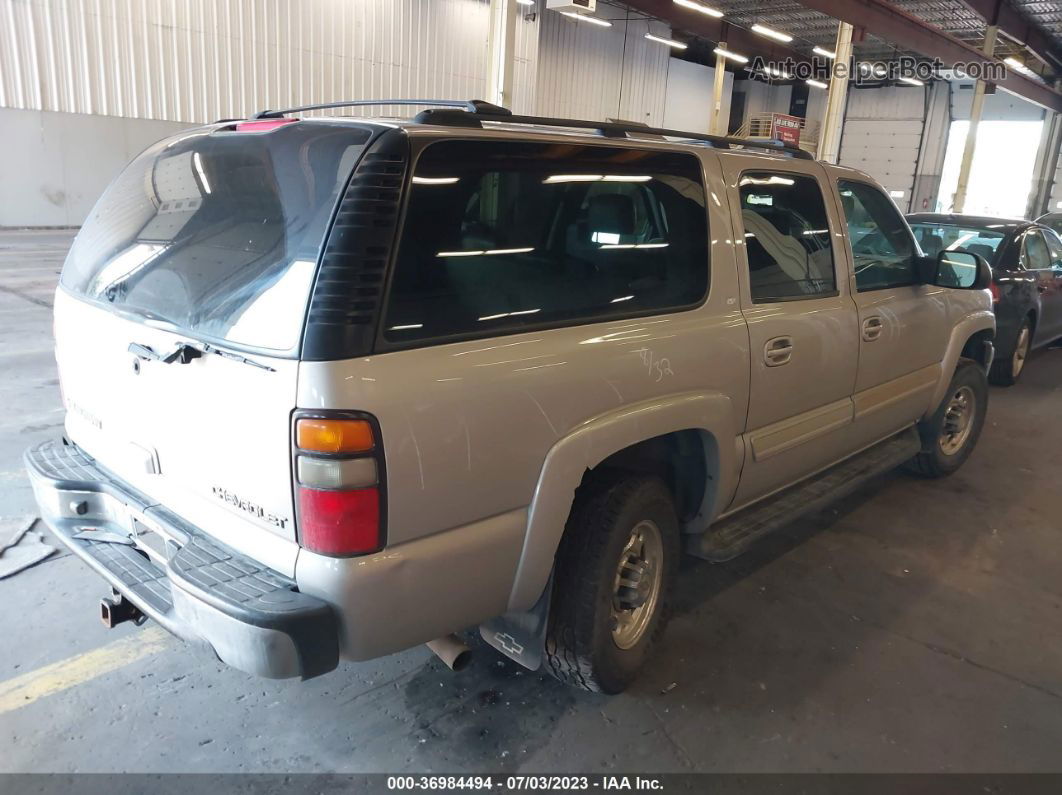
pixel 504 236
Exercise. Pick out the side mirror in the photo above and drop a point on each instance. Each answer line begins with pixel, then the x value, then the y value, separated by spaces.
pixel 962 270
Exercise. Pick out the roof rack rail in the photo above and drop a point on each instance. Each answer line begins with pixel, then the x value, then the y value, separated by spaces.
pixel 472 112
pixel 467 105
pixel 610 129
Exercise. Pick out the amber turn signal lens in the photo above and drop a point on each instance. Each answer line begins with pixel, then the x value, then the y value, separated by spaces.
pixel 333 436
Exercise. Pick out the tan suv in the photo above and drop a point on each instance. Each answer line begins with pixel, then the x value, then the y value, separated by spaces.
pixel 337 387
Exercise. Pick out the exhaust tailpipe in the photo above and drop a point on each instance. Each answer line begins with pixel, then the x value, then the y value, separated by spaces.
pixel 115 610
pixel 452 651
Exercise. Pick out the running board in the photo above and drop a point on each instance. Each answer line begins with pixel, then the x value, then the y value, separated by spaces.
pixel 730 537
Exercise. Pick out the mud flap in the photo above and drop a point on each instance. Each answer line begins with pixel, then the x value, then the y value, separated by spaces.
pixel 521 636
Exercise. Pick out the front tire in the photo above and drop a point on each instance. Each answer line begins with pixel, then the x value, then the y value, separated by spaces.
pixel 1006 372
pixel 615 571
pixel 949 436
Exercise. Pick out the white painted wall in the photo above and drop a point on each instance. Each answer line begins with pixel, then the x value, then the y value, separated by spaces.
pixel 187 61
pixel 55 165
pixel 591 72
pixel 688 100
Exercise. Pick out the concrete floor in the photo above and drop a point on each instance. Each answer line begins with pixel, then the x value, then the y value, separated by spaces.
pixel 916 627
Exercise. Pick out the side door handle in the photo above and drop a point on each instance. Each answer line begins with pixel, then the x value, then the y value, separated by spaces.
pixel 778 351
pixel 872 328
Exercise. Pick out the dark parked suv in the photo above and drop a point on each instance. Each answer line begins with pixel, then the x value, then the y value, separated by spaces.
pixel 1026 260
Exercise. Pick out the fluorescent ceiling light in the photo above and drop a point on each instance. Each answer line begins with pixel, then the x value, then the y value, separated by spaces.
pixel 897 194
pixel 771 34
pixel 526 2
pixel 770 71
pixel 690 4
pixel 584 18
pixel 733 56
pixel 435 180
pixel 1018 66
pixel 500 315
pixel 911 81
pixel 824 52
pixel 558 178
pixel 772 180
pixel 816 83
pixel 199 170
pixel 678 45
pixel 485 252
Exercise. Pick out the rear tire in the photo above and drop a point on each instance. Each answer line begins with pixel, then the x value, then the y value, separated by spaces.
pixel 615 571
pixel 1006 372
pixel 949 436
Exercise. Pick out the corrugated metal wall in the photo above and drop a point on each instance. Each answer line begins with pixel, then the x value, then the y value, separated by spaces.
pixel 883 134
pixel 199 60
pixel 587 71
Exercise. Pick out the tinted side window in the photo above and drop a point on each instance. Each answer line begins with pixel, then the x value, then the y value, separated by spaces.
pixel 501 236
pixel 787 237
pixel 1036 256
pixel 881 245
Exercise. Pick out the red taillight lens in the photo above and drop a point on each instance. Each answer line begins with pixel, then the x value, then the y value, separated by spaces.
pixel 994 289
pixel 339 522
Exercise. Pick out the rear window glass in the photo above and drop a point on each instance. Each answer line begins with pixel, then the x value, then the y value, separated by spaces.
pixel 934 238
pixel 500 236
pixel 217 234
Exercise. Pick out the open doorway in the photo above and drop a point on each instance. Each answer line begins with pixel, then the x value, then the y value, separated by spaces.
pixel 1002 172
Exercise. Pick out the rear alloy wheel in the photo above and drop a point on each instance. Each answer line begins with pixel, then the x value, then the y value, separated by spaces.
pixel 614 572
pixel 949 436
pixel 1006 372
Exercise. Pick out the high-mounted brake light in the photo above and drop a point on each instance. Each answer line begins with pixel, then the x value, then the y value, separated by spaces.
pixel 262 125
pixel 339 494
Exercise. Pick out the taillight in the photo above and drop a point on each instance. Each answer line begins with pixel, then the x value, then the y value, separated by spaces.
pixel 338 468
pixel 994 289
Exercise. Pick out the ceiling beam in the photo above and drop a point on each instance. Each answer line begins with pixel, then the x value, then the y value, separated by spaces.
pixel 1018 27
pixel 886 21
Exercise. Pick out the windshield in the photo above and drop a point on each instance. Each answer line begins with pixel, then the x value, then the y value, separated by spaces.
pixel 217 233
pixel 934 238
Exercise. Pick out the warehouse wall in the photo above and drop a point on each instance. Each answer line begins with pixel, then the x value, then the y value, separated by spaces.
pixel 586 71
pixel 108 76
pixel 180 60
pixel 688 102
pixel 111 75
pixel 55 165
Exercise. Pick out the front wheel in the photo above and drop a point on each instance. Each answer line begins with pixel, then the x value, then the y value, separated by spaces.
pixel 614 574
pixel 949 436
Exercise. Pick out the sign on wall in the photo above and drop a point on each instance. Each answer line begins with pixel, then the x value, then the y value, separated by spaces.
pixel 785 128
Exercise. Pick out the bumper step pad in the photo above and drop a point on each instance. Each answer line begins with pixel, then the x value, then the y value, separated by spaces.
pixel 198 570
